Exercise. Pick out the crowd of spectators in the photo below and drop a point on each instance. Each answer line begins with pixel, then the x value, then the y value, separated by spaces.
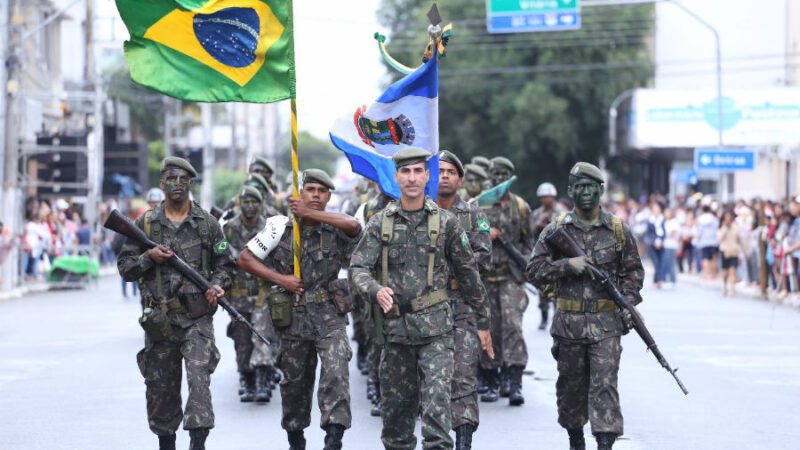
pixel 752 243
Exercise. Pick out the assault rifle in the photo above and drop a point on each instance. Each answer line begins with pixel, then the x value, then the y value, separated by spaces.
pixel 561 241
pixel 122 225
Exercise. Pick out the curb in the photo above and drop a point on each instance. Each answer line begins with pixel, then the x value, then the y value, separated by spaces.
pixel 39 287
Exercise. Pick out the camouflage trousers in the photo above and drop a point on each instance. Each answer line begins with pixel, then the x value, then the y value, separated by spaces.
pixel 464 387
pixel 416 379
pixel 263 354
pixel 242 343
pixel 298 361
pixel 160 365
pixel 508 302
pixel 586 389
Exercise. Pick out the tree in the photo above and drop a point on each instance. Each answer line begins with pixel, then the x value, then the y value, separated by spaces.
pixel 540 99
pixel 312 153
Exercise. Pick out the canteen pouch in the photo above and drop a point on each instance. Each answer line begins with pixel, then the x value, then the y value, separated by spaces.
pixel 194 301
pixel 342 300
pixel 155 324
pixel 280 306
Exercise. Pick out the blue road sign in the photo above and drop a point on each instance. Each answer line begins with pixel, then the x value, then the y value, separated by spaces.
pixel 519 16
pixel 724 159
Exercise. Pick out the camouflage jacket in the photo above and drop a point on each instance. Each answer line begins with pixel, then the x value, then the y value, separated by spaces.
pixel 185 239
pixel 245 288
pixel 542 217
pixel 599 243
pixel 515 221
pixel 475 224
pixel 408 271
pixel 321 259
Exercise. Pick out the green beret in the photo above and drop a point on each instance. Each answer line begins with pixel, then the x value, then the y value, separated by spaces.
pixel 410 155
pixel 448 156
pixel 476 170
pixel 252 192
pixel 586 170
pixel 174 161
pixel 481 161
pixel 261 181
pixel 503 162
pixel 263 161
pixel 318 176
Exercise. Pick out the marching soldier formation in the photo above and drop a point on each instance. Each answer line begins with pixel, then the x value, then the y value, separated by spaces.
pixel 436 290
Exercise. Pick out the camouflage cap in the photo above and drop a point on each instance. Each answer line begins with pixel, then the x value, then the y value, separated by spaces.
pixel 262 161
pixel 481 161
pixel 252 192
pixel 450 157
pixel 586 170
pixel 261 181
pixel 174 161
pixel 318 176
pixel 501 161
pixel 410 155
pixel 476 170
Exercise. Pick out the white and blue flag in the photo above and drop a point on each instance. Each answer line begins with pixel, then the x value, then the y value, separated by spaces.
pixel 406 115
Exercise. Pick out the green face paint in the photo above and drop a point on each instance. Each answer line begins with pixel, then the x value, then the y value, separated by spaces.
pixel 176 184
pixel 250 207
pixel 473 184
pixel 500 175
pixel 585 193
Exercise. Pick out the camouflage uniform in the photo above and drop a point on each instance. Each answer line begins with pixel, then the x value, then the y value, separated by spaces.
pixel 188 312
pixel 587 327
pixel 540 218
pixel 417 359
pixel 505 282
pixel 464 394
pixel 317 330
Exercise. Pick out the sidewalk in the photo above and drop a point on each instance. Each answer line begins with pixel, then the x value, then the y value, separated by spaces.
pixel 743 290
pixel 42 286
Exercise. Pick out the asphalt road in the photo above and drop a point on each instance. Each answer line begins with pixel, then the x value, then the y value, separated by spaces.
pixel 68 380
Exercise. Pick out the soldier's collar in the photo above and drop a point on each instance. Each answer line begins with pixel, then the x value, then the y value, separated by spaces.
pixel 605 219
pixel 430 205
pixel 459 205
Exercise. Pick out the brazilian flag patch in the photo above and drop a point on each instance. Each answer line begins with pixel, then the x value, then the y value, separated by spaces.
pixel 483 225
pixel 221 247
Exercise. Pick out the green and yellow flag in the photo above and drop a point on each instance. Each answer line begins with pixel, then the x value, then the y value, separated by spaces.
pixel 212 50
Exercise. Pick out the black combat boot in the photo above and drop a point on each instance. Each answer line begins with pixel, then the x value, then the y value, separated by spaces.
pixel 242 383
pixel 361 360
pixel 505 381
pixel 576 441
pixel 543 323
pixel 166 442
pixel 492 386
pixel 482 387
pixel 277 376
pixel 249 393
pixel 605 440
pixel 272 373
pixel 296 440
pixel 372 389
pixel 197 438
pixel 333 436
pixel 515 398
pixel 464 437
pixel 262 393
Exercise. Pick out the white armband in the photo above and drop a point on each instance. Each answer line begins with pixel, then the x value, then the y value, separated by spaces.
pixel 268 238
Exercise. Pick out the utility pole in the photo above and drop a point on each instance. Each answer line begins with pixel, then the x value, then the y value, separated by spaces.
pixel 92 71
pixel 8 212
pixel 207 188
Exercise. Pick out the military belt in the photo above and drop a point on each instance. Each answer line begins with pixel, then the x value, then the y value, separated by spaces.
pixel 419 303
pixel 170 306
pixel 600 305
pixel 318 296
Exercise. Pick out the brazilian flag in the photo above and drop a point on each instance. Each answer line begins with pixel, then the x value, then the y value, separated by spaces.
pixel 212 50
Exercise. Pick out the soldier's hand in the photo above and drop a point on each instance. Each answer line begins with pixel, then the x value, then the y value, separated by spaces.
pixel 495 233
pixel 384 298
pixel 292 284
pixel 298 208
pixel 486 342
pixel 213 293
pixel 579 265
pixel 627 319
pixel 160 254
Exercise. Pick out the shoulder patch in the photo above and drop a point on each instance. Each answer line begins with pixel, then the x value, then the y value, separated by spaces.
pixel 221 247
pixel 483 225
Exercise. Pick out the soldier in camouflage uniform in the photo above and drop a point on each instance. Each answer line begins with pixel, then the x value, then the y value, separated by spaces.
pixel 510 220
pixel 414 245
pixel 246 294
pixel 464 393
pixel 318 311
pixel 475 179
pixel 548 210
pixel 183 228
pixel 587 326
pixel 485 164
